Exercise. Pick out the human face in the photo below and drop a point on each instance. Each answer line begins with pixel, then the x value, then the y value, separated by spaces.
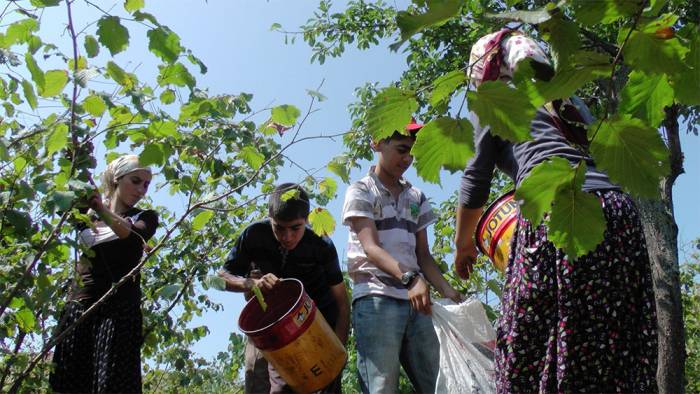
pixel 132 187
pixel 288 233
pixel 395 156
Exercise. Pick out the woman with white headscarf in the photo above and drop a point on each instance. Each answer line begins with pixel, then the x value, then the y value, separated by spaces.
pixel 584 325
pixel 103 353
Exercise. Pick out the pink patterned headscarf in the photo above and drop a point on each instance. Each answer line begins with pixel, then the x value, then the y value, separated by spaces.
pixel 495 55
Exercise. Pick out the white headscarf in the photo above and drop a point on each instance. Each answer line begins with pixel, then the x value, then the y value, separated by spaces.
pixel 514 46
pixel 119 167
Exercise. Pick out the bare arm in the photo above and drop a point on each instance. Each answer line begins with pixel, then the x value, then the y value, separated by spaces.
pixel 342 325
pixel 465 254
pixel 430 269
pixel 239 284
pixel 120 226
pixel 418 291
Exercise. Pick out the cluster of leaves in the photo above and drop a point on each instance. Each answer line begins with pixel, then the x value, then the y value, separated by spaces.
pixel 71 104
pixel 690 287
pixel 655 54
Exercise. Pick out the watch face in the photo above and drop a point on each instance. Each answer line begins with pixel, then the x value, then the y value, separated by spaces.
pixel 407 277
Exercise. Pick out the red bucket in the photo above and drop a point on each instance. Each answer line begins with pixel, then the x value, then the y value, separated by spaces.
pixel 294 337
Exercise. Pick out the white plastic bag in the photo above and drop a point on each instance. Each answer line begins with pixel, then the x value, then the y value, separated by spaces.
pixel 467 340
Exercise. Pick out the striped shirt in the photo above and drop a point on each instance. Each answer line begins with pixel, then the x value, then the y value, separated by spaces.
pixel 397 223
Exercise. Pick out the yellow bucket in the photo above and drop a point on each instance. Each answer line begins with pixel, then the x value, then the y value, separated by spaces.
pixel 294 337
pixel 495 230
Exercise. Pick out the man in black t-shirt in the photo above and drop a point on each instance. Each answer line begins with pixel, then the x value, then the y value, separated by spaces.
pixel 282 246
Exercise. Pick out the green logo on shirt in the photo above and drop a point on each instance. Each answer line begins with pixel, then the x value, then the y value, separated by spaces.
pixel 415 210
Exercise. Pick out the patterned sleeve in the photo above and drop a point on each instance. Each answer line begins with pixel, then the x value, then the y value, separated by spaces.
pixel 358 203
pixel 427 215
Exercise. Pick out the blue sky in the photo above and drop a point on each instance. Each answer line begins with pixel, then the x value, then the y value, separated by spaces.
pixel 243 55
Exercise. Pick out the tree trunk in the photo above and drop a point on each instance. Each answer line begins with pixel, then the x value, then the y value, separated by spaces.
pixel 662 241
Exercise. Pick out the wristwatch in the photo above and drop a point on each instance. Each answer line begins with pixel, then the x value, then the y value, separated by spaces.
pixel 408 277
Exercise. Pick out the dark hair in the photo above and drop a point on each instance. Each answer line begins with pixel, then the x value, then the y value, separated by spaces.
pixel 288 201
pixel 397 135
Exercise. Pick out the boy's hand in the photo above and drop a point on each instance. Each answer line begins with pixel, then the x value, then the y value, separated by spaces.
pixel 266 282
pixel 464 261
pixel 451 293
pixel 419 296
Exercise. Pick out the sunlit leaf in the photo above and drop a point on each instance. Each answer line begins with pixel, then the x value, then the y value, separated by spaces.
pixel 94 105
pixel 92 47
pixel 317 95
pixel 577 224
pixel 25 319
pixel 152 154
pixel 339 166
pixel 133 5
pixel 646 52
pixel 686 83
pixel 21 31
pixel 536 192
pixel 166 128
pixel 175 74
pixel 439 12
pixel 202 219
pixel 216 282
pixel 631 153
pixel 54 82
pixel 57 140
pixel 645 97
pixel 322 222
pixel 168 96
pixel 443 143
pixel 119 75
pixel 391 110
pixel 164 43
pixel 29 93
pixel 44 3
pixel 251 156
pixel 592 12
pixel 328 187
pixel 507 111
pixel 285 115
pixel 36 73
pixel 445 85
pixel 112 34
pixel 169 291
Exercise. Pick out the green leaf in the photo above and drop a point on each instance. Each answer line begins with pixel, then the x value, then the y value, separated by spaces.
pixel 506 110
pixel 21 31
pixel 631 153
pixel 645 97
pixel 285 115
pixel 63 200
pixel 216 282
pixel 593 12
pixel 119 75
pixel 35 71
pixel 563 38
pixel 443 143
pixel 133 5
pixel 391 111
pixel 152 154
pixel 439 12
pixel 646 52
pixel 21 221
pixel 202 219
pixel 175 74
pixel 577 224
pixel 685 84
pixel 322 222
pixel 168 96
pixel 169 292
pixel 328 187
pixel 339 166
pixel 57 140
pixel 112 34
pixel 45 3
pixel 54 82
pixel 445 85
pixel 92 48
pixel 29 93
pixel 164 43
pixel 25 319
pixel 317 95
pixel 166 128
pixel 536 192
pixel 251 156
pixel 532 17
pixel 94 105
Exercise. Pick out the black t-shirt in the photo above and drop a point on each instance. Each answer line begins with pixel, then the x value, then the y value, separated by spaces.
pixel 314 261
pixel 112 258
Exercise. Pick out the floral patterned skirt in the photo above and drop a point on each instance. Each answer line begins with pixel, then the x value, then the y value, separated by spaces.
pixel 587 325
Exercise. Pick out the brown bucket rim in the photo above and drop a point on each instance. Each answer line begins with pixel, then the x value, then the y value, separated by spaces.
pixel 486 216
pixel 283 315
